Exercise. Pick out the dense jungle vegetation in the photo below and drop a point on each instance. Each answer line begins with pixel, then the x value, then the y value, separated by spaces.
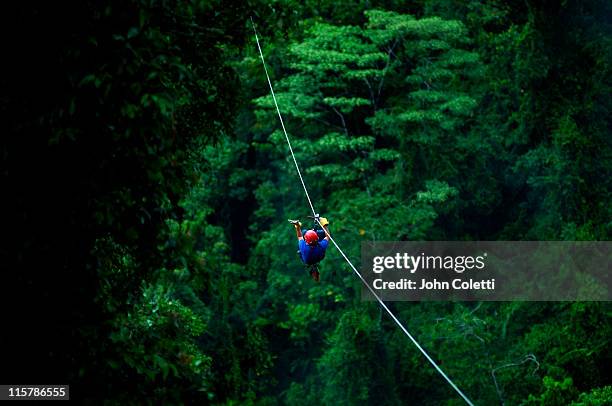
pixel 148 256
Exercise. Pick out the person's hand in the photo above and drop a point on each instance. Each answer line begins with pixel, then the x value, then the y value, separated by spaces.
pixel 296 223
pixel 323 221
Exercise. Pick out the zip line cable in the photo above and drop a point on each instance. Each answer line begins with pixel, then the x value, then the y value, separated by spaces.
pixel 316 217
pixel 314 213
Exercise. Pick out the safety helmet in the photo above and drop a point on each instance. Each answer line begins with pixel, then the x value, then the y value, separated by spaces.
pixel 311 237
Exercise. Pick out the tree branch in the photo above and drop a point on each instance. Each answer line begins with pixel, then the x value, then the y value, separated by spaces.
pixel 341 118
pixel 527 358
pixel 382 79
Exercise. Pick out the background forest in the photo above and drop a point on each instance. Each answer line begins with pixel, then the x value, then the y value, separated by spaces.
pixel 148 256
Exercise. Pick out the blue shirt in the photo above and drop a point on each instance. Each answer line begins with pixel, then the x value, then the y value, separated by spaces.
pixel 311 254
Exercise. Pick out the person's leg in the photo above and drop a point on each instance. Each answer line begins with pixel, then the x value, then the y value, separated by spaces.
pixel 314 272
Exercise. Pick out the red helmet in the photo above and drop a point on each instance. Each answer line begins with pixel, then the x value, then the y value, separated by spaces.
pixel 311 237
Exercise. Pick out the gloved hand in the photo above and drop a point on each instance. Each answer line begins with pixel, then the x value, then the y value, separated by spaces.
pixel 296 223
pixel 323 221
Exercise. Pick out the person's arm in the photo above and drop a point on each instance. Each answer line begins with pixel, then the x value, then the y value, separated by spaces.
pixel 325 224
pixel 326 232
pixel 298 228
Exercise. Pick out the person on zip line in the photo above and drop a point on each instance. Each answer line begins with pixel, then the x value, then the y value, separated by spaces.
pixel 312 244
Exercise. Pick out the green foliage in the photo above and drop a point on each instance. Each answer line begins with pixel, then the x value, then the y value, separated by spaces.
pixel 555 393
pixel 155 336
pixel 354 366
pixel 596 397
pixel 411 126
pixel 156 222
